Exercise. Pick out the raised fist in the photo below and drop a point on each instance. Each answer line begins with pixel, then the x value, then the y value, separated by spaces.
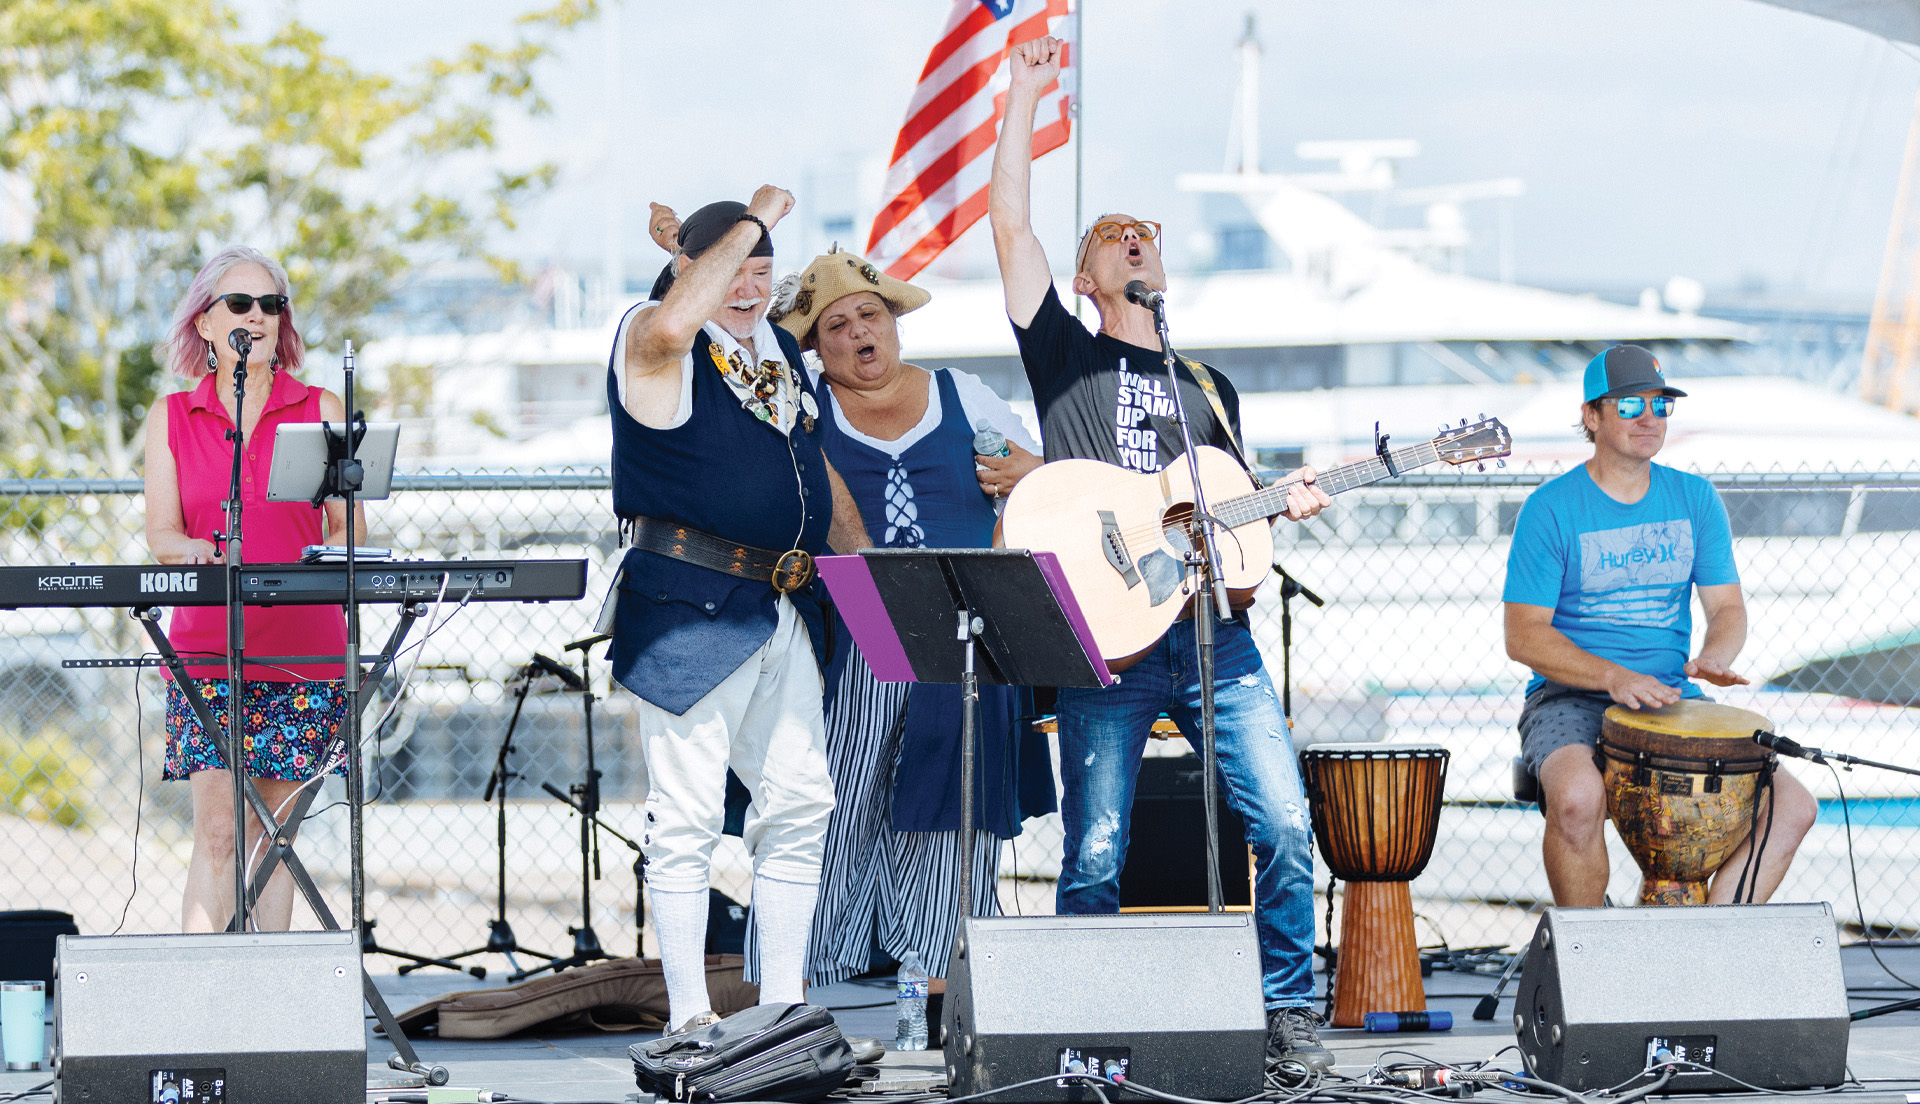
pixel 663 226
pixel 770 204
pixel 1034 64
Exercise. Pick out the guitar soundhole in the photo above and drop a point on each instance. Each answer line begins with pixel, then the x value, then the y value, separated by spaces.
pixel 1175 526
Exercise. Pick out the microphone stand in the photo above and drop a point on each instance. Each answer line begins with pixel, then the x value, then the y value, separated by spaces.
pixel 347 477
pixel 1203 567
pixel 1783 746
pixel 237 632
pixel 1289 587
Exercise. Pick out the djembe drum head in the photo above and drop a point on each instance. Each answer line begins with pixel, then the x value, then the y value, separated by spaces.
pixel 1681 784
pixel 1376 807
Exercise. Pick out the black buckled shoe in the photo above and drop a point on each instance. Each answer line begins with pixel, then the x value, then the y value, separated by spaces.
pixel 1293 1035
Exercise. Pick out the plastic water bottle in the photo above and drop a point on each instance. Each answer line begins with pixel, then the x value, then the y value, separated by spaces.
pixel 988 441
pixel 910 1005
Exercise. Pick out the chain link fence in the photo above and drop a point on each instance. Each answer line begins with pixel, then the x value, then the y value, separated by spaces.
pixel 1407 648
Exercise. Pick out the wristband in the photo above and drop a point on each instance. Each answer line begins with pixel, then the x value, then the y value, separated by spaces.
pixel 755 219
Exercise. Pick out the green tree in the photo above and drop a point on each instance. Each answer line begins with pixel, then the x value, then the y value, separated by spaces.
pixel 137 136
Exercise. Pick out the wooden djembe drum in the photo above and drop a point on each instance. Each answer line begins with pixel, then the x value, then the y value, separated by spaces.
pixel 1681 782
pixel 1376 808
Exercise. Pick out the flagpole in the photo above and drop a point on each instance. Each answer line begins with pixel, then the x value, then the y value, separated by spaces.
pixel 1079 134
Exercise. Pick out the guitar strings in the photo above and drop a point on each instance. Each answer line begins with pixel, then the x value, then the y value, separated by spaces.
pixel 1334 482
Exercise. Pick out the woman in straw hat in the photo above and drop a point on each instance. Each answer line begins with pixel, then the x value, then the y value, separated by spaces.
pixel 903 438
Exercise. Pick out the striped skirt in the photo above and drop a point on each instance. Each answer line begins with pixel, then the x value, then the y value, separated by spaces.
pixel 898 891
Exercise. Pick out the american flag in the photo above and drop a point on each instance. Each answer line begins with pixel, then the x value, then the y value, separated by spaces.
pixel 937 182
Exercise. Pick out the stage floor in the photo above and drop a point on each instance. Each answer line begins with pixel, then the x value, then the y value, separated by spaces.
pixel 578 1068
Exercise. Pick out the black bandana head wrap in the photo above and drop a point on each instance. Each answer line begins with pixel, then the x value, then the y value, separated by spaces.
pixel 710 223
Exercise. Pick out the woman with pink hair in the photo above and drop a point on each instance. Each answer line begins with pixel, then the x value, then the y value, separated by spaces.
pixel 291 710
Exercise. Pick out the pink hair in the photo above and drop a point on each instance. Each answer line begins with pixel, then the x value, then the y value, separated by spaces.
pixel 187 350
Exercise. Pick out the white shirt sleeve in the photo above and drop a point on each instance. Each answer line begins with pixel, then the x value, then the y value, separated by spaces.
pixel 979 403
pixel 684 409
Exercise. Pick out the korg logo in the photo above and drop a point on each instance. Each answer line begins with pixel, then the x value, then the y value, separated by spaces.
pixel 169 582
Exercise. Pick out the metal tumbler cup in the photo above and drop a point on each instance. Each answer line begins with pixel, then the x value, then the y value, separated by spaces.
pixel 23 1024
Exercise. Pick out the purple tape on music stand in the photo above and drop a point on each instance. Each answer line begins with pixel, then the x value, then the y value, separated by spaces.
pixel 857 597
pixel 1056 578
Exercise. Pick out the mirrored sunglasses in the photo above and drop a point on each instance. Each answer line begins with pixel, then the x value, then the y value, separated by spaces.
pixel 1631 405
pixel 240 302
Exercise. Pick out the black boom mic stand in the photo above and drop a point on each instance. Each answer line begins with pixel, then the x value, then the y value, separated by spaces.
pixel 1783 746
pixel 585 800
pixel 1202 568
pixel 500 937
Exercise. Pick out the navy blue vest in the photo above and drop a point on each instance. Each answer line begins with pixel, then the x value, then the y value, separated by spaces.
pixel 681 629
pixel 950 511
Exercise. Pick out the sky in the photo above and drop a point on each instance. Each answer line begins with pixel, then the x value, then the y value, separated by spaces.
pixel 1755 149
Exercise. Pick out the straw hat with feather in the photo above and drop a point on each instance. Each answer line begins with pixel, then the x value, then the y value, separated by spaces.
pixel 800 299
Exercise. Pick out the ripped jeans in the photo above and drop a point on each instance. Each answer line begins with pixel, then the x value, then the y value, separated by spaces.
pixel 1104 732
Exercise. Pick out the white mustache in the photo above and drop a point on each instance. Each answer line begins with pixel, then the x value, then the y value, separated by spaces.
pixel 746 304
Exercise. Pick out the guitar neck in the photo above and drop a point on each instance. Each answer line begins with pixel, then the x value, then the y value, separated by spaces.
pixel 1271 501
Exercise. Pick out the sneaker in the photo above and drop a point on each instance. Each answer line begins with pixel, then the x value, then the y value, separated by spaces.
pixel 1293 1036
pixel 708 1019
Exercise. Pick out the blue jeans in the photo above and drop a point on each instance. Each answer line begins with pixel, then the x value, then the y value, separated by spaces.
pixel 1102 735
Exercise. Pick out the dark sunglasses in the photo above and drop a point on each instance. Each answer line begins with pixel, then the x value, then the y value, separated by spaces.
pixel 240 302
pixel 1632 405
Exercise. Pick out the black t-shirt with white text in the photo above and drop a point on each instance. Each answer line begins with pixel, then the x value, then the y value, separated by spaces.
pixel 1100 398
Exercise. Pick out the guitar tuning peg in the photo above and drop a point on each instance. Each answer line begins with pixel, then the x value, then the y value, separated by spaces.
pixel 1500 463
pixel 1444 427
pixel 1463 423
pixel 1481 466
pixel 1483 415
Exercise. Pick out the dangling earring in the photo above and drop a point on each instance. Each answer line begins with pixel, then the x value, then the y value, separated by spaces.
pixel 275 364
pixel 213 362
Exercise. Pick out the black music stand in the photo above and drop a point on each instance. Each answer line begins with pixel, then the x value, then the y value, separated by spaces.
pixel 961 615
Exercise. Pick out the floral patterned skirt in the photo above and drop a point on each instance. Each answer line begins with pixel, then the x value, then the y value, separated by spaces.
pixel 286 726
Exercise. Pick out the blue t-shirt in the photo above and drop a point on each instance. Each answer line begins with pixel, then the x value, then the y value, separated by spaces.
pixel 1617 576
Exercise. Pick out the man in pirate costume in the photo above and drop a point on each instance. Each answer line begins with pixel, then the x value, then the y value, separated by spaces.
pixel 726 497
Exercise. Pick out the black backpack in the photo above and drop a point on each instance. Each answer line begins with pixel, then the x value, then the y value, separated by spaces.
pixel 791 1052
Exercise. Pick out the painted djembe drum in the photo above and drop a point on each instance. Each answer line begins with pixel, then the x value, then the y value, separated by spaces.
pixel 1376 809
pixel 1681 782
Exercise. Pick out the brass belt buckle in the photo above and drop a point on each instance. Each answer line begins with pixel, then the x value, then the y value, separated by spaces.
pixel 793 570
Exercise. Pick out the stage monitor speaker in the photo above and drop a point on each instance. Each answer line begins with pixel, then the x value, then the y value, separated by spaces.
pixel 1171 1001
pixel 1753 991
pixel 1167 841
pixel 244 1017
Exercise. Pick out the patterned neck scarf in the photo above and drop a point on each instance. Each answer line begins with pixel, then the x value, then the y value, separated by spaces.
pixel 767 386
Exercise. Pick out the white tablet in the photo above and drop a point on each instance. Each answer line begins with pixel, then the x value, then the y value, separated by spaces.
pixel 300 461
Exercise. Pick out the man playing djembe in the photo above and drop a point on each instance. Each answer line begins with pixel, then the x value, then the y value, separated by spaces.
pixel 1597 604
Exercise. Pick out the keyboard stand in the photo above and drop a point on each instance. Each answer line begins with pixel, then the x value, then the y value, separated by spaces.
pixel 281 834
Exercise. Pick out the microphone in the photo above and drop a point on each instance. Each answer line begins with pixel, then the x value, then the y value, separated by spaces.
pixel 1784 746
pixel 241 340
pixel 1140 294
pixel 543 665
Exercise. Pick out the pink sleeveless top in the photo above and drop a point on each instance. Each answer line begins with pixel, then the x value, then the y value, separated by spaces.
pixel 272 532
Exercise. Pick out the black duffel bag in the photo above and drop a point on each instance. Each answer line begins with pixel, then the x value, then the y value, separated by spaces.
pixel 791 1052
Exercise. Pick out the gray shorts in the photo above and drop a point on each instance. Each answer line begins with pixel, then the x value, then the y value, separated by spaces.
pixel 1557 716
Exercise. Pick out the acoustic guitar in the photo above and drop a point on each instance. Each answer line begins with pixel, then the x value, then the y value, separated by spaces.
pixel 1122 536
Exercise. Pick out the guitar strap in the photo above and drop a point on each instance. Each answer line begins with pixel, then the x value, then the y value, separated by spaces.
pixel 1204 377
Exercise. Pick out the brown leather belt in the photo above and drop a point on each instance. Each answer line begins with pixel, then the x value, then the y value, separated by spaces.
pixel 784 571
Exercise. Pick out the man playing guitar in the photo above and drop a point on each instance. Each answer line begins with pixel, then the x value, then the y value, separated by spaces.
pixel 1105 397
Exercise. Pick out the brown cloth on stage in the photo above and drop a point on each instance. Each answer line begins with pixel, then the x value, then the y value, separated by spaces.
pixel 626 994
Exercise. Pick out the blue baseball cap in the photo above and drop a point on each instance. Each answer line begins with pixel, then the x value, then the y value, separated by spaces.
pixel 1626 370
